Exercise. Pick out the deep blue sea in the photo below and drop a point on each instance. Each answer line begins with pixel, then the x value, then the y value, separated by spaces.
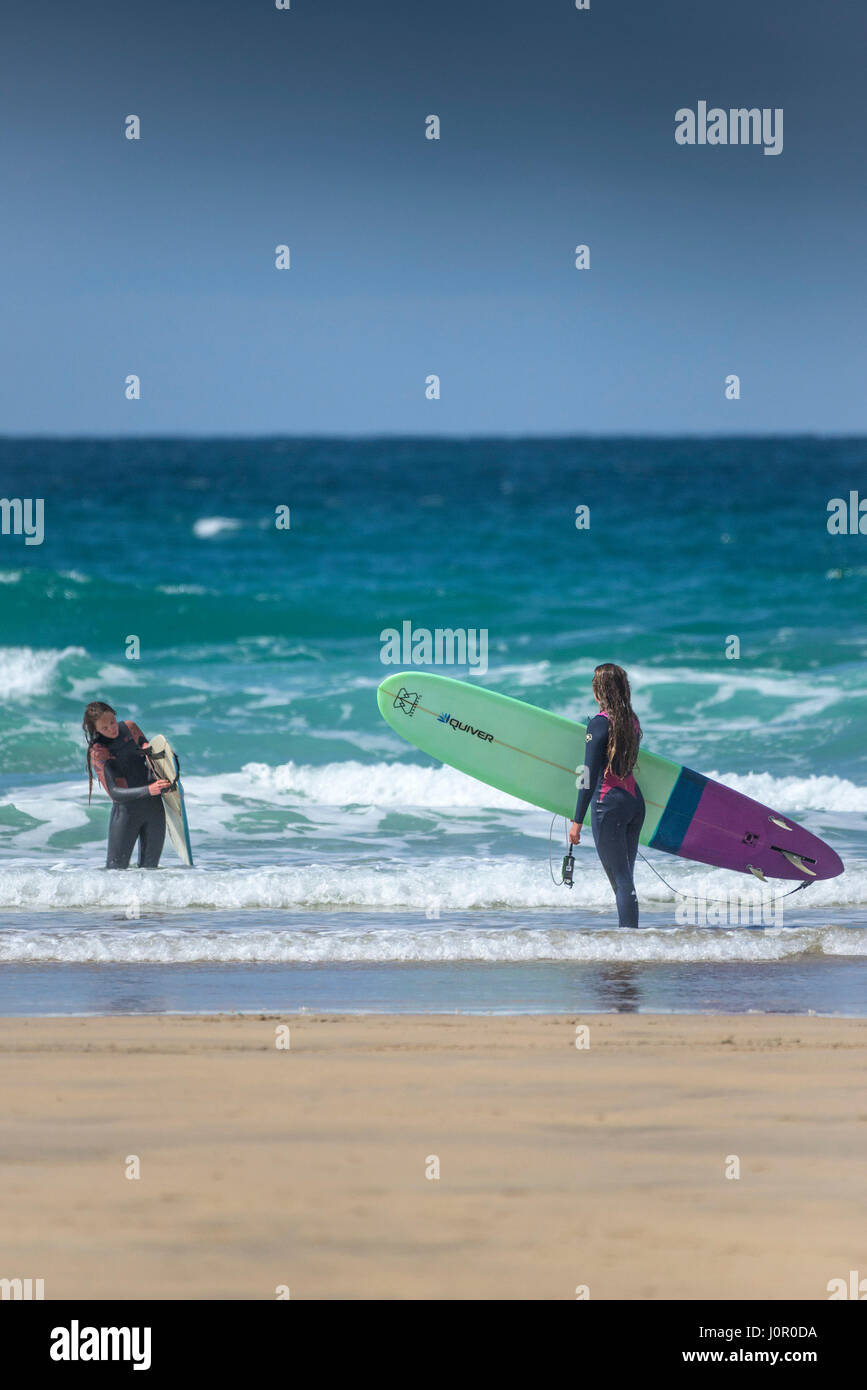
pixel 338 868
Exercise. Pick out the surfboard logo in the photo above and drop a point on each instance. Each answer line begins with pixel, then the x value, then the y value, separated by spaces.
pixel 465 728
pixel 406 700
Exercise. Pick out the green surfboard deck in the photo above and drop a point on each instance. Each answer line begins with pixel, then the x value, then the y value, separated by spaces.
pixel 518 748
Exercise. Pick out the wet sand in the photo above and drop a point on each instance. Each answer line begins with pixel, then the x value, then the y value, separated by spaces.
pixel 307 1168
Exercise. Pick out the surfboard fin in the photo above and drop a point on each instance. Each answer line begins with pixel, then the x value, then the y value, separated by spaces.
pixel 798 862
pixel 759 873
pixel 780 823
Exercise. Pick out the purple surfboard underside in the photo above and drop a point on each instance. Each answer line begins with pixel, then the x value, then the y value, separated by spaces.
pixel 722 809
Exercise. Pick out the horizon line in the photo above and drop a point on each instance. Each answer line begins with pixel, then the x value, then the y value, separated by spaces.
pixel 457 437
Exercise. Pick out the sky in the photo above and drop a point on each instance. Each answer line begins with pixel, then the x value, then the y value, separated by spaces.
pixel 413 257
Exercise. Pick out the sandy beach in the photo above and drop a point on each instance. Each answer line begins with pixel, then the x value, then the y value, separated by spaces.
pixel 306 1167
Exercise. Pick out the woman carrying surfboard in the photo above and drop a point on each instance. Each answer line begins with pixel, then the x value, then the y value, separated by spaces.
pixel 609 788
pixel 116 753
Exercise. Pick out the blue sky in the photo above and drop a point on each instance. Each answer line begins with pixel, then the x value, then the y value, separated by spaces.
pixel 410 256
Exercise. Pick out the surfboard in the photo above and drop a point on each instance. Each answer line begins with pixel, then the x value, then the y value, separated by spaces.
pixel 161 757
pixel 538 756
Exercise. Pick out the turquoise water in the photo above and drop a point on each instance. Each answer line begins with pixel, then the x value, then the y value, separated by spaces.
pixel 336 866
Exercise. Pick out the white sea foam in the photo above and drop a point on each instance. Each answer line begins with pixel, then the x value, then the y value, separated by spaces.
pixel 168 946
pixel 234 807
pixel 530 673
pixel 722 684
pixel 715 705
pixel 734 680
pixel 183 589
pixel 376 784
pixel 795 794
pixel 25 672
pixel 451 883
pixel 208 526
pixel 107 678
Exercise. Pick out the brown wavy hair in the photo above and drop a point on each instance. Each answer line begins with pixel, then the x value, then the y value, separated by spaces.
pixel 611 688
pixel 95 710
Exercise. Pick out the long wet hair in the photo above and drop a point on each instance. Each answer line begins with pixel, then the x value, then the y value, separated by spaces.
pixel 95 710
pixel 611 688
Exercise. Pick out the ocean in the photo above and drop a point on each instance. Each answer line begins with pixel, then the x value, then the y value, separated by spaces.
pixel 338 869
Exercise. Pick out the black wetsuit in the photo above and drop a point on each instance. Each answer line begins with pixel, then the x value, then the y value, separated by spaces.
pixel 616 817
pixel 135 814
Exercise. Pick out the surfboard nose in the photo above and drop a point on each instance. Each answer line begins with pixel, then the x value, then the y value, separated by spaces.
pixel 399 691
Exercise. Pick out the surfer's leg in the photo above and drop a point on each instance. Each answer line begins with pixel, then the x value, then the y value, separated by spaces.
pixel 634 830
pixel 611 819
pixel 152 835
pixel 627 898
pixel 601 838
pixel 632 833
pixel 122 834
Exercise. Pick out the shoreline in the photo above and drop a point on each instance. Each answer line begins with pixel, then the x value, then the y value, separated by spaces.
pixel 441 1014
pixel 780 977
pixel 308 1166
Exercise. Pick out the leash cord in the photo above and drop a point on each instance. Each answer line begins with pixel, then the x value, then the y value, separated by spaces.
pixel 557 881
pixel 723 902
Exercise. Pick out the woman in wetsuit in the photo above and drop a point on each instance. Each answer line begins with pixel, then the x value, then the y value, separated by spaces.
pixel 609 788
pixel 114 753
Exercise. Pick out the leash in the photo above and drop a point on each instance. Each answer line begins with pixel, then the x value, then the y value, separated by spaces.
pixel 567 875
pixel 568 857
pixel 724 902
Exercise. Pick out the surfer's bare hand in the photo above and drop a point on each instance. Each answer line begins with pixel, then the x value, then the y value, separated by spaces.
pixel 574 833
pixel 157 788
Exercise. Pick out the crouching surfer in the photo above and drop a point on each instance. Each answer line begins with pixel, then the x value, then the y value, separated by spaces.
pixel 116 753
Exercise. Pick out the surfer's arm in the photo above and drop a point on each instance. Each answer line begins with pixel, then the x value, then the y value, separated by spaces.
pixel 108 780
pixel 595 755
pixel 132 793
